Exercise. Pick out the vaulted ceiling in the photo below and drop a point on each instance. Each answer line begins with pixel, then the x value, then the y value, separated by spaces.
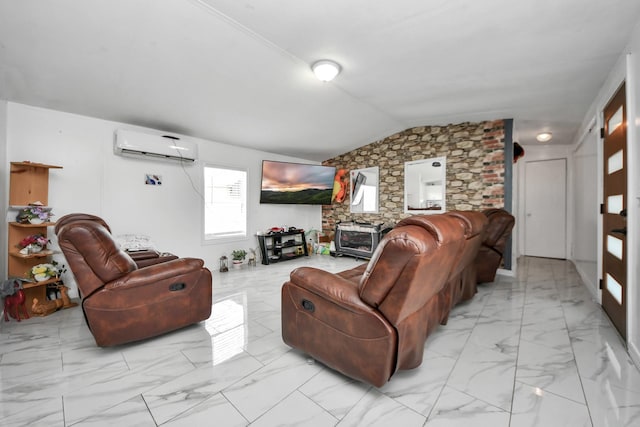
pixel 238 72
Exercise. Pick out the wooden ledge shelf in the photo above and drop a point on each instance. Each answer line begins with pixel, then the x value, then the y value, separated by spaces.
pixel 28 285
pixel 29 225
pixel 42 254
pixel 35 165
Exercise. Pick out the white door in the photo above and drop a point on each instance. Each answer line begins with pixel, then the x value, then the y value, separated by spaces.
pixel 545 208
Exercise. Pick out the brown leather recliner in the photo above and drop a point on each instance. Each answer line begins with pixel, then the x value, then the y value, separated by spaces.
pixel 371 321
pixel 141 258
pixel 491 251
pixel 124 303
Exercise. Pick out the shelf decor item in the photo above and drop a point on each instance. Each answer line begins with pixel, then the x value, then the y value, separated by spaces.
pixel 42 272
pixel 32 244
pixel 14 299
pixel 45 308
pixel 34 214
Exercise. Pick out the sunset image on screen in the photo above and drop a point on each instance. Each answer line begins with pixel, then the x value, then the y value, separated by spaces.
pixel 296 183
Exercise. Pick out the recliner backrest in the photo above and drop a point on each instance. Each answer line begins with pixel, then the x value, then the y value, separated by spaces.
pixel 474 224
pixel 93 256
pixel 410 265
pixel 77 217
pixel 498 229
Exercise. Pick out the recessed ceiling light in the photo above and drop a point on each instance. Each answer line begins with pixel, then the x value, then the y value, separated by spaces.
pixel 326 70
pixel 544 136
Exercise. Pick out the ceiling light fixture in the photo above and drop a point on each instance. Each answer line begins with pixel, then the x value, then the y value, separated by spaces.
pixel 326 70
pixel 544 136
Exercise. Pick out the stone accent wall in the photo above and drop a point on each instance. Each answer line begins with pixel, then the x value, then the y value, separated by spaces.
pixel 475 169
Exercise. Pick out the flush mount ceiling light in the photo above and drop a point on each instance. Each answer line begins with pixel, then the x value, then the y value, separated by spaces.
pixel 544 136
pixel 325 70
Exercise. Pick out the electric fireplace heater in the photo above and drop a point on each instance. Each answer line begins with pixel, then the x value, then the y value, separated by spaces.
pixel 357 239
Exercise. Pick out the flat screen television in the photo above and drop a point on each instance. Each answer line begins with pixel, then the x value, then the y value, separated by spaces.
pixel 296 183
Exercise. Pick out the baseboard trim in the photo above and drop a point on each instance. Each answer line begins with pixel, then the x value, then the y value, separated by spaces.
pixel 634 353
pixel 508 273
pixel 586 281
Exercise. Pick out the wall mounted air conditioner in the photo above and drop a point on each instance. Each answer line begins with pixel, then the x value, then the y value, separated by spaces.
pixel 161 147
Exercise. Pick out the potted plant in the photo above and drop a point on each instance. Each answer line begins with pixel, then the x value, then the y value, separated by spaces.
pixel 238 257
pixel 34 214
pixel 32 244
pixel 42 272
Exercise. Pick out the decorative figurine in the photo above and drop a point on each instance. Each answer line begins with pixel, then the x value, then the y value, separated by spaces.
pixel 14 299
pixel 45 308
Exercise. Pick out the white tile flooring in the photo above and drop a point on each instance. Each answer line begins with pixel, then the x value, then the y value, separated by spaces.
pixel 528 351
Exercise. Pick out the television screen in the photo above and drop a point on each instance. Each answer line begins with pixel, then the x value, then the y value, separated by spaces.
pixel 296 183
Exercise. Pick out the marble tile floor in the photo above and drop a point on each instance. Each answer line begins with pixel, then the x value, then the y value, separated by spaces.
pixel 535 350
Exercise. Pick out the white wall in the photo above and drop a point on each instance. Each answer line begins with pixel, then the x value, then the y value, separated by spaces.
pixel 94 180
pixel 4 167
pixel 584 251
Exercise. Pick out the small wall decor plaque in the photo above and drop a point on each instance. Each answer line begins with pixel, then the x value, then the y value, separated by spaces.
pixel 152 179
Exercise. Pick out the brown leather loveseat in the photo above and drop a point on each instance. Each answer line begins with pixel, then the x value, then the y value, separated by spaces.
pixel 124 303
pixel 373 320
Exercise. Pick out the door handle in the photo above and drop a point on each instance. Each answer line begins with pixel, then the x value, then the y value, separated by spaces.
pixel 623 213
pixel 622 231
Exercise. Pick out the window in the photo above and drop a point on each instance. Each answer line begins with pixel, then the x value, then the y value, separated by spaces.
pixel 225 203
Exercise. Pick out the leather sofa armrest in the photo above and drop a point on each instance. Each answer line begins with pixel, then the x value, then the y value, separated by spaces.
pixel 146 254
pixel 330 286
pixel 154 273
pixel 150 257
pixel 142 263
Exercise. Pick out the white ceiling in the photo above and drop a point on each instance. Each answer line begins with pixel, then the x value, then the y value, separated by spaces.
pixel 238 71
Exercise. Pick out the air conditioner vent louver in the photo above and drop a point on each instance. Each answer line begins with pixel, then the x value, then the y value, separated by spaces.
pixel 162 147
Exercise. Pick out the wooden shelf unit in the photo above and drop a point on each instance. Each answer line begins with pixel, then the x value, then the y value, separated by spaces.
pixel 29 183
pixel 283 246
pixel 18 264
